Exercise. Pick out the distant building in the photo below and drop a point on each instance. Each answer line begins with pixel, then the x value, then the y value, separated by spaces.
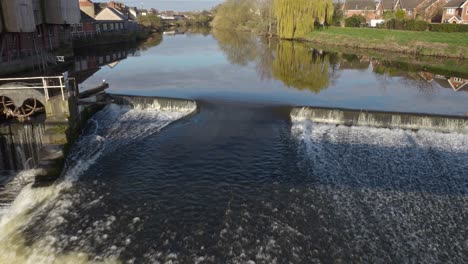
pixel 110 19
pixel 365 8
pixel 456 11
pixel 32 27
pixel 423 9
pixel 385 6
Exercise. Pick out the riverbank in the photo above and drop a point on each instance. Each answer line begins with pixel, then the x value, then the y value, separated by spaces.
pixel 440 44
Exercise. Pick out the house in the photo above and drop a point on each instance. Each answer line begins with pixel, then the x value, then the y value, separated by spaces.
pixel 365 8
pixel 456 11
pixel 133 13
pixel 110 19
pixel 89 8
pixel 424 9
pixel 143 12
pixel 87 27
pixel 429 10
pixel 458 84
pixel 385 6
pixel 409 6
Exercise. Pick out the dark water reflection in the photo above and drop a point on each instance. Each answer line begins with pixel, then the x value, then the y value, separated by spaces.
pixel 243 67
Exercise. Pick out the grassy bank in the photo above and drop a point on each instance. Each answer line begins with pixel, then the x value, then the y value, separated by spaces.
pixel 441 44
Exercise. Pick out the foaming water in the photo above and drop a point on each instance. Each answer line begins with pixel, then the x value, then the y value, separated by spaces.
pixel 449 124
pixel 109 130
pixel 241 183
pixel 399 195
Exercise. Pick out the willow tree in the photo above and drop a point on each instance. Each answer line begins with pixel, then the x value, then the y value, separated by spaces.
pixel 295 18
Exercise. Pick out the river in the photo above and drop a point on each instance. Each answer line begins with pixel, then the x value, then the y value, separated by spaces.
pixel 232 177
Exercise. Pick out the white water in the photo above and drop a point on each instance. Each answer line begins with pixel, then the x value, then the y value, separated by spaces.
pixel 110 129
pixel 400 195
pixel 381 119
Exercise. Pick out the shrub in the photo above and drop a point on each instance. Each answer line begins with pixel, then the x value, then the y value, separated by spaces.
pixel 449 28
pixel 151 21
pixel 355 21
pixel 407 24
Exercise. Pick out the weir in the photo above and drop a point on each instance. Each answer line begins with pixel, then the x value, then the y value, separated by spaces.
pixel 379 119
pixel 157 103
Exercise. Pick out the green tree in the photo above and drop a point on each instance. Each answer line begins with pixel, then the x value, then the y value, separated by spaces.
pixel 235 14
pixel 151 21
pixel 251 15
pixel 295 18
pixel 400 14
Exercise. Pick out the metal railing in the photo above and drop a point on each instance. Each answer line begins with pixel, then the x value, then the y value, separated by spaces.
pixel 46 83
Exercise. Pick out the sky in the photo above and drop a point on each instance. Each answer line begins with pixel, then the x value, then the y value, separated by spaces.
pixel 175 5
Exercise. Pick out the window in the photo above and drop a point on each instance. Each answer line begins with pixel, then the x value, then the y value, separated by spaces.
pixel 104 27
pixel 121 26
pixel 451 11
pixel 458 79
pixel 111 26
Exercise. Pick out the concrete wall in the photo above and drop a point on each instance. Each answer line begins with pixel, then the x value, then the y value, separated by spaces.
pixel 18 15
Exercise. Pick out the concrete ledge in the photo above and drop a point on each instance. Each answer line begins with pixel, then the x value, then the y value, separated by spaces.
pixel 411 121
pixel 160 103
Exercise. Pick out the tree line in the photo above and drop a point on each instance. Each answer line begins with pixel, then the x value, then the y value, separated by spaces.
pixel 288 19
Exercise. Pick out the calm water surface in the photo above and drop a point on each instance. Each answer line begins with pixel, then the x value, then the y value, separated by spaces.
pixel 239 67
pixel 235 179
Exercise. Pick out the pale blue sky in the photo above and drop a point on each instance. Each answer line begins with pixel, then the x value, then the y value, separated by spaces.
pixel 176 5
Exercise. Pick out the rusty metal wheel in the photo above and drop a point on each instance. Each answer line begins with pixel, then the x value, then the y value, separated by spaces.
pixel 23 112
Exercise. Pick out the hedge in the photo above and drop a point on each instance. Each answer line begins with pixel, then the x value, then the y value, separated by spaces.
pixel 421 25
pixel 355 21
pixel 406 24
pixel 448 28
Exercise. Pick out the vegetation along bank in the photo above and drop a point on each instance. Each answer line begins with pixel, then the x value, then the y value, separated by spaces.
pixel 322 22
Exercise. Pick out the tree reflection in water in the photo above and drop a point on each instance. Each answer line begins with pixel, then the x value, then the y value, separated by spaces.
pixel 293 63
pixel 302 67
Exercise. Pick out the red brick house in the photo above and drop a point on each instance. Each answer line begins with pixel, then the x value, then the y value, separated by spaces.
pixel 429 10
pixel 456 11
pixel 365 8
pixel 423 9
pixel 385 6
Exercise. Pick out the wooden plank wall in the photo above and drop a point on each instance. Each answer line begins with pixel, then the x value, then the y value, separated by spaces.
pixel 38 14
pixel 62 11
pixel 1 19
pixel 18 15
